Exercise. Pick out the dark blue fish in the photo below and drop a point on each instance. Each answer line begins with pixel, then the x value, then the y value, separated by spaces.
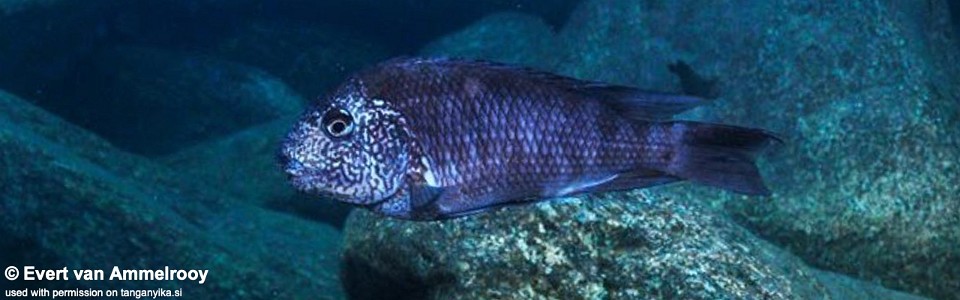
pixel 428 139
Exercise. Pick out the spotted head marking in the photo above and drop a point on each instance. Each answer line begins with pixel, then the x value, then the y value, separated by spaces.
pixel 352 147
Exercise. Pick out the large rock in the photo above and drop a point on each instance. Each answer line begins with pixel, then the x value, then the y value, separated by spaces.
pixel 863 92
pixel 71 200
pixel 613 246
pixel 244 166
pixel 153 102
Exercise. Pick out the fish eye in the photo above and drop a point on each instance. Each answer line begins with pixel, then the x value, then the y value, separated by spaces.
pixel 337 123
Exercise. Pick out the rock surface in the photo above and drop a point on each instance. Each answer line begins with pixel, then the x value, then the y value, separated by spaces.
pixel 864 92
pixel 70 199
pixel 612 246
pixel 153 102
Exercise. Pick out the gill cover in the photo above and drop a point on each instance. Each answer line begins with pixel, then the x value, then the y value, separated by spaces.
pixel 354 148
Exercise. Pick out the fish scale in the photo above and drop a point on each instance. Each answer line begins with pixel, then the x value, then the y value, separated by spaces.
pixel 469 136
pixel 547 159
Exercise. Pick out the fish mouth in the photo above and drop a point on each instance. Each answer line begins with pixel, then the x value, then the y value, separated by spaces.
pixel 299 176
pixel 305 181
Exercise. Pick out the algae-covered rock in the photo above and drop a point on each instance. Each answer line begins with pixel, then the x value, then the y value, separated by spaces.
pixel 612 246
pixel 244 166
pixel 865 95
pixel 71 200
pixel 152 101
pixel 863 92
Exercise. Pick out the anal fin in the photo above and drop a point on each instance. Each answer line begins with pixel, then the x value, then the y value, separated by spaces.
pixel 637 179
pixel 582 186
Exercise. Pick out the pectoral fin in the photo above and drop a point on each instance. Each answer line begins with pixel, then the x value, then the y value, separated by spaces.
pixel 424 195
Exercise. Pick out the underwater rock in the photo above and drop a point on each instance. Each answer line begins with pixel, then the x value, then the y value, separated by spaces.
pixel 865 94
pixel 244 166
pixel 71 200
pixel 607 246
pixel 153 102
pixel 505 37
pixel 311 59
pixel 617 42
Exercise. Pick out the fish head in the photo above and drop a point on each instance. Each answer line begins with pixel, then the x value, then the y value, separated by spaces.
pixel 351 147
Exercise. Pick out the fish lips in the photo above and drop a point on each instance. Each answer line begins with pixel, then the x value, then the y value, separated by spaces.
pixel 299 176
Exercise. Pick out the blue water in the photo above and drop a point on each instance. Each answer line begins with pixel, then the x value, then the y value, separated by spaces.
pixel 143 135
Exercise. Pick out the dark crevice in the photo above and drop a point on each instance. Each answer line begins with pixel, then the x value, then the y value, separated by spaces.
pixel 362 281
pixel 18 252
pixel 955 17
pixel 328 211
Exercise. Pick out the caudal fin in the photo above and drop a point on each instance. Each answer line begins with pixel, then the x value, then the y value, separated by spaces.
pixel 719 155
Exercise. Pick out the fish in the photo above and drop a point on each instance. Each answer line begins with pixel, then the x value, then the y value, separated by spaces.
pixel 439 138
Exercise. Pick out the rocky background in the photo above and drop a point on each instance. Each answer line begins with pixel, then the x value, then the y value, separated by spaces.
pixel 142 134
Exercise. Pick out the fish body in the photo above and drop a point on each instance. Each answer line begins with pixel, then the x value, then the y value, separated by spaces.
pixel 428 139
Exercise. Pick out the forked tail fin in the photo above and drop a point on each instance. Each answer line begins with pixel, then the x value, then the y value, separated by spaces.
pixel 719 155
